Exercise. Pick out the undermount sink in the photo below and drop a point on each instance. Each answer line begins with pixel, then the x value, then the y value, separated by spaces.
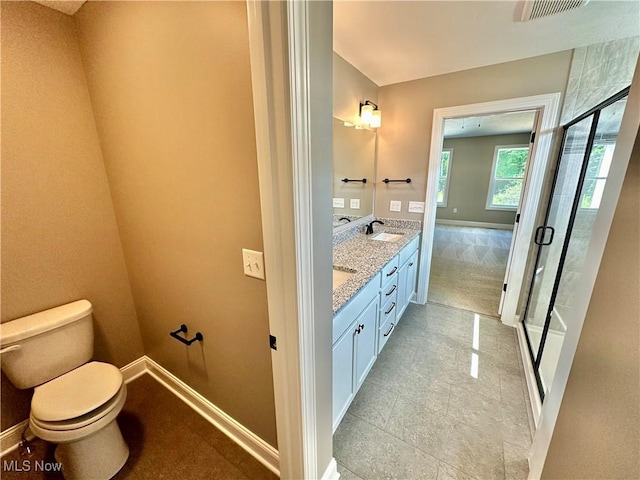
pixel 340 276
pixel 387 237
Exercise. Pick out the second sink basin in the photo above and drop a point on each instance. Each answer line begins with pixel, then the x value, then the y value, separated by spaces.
pixel 387 237
pixel 341 276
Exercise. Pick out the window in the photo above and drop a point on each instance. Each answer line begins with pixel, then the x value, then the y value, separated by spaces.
pixel 509 165
pixel 443 176
pixel 596 177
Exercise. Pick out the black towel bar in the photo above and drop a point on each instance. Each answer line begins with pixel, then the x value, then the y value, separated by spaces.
pixel 347 180
pixel 183 329
pixel 406 180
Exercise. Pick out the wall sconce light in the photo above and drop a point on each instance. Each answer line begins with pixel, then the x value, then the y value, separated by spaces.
pixel 370 115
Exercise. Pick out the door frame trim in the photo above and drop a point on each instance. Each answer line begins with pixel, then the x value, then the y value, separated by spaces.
pixel 549 108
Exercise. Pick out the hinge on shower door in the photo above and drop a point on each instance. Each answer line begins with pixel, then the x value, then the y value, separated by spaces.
pixel 533 137
pixel 272 342
pixel 504 287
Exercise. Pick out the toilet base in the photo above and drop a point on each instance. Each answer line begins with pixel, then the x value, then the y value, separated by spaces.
pixel 97 457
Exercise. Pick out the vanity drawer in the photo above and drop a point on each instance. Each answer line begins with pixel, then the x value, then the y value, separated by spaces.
pixel 387 323
pixel 389 270
pixel 408 250
pixel 390 290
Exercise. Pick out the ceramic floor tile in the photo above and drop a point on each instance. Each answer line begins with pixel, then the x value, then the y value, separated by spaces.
pixel 374 403
pixel 373 454
pixel 479 412
pixel 447 472
pixel 511 390
pixel 516 465
pixel 455 443
pixel 346 474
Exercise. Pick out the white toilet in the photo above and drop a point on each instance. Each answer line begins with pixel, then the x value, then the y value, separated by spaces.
pixel 75 402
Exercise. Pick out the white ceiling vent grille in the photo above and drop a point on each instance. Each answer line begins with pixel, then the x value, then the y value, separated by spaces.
pixel 545 8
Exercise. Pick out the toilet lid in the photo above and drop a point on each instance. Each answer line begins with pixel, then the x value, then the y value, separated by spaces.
pixel 77 392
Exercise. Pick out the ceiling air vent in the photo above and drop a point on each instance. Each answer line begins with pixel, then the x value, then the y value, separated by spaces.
pixel 545 8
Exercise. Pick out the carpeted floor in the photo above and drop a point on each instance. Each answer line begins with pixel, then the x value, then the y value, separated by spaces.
pixel 467 267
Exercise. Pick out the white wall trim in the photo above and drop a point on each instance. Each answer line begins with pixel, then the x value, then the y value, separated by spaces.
pixel 11 437
pixel 468 223
pixel 548 106
pixel 331 473
pixel 245 438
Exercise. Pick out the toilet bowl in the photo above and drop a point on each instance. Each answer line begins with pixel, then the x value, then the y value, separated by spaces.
pixel 75 402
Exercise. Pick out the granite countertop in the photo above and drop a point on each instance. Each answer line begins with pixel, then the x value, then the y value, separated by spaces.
pixel 366 257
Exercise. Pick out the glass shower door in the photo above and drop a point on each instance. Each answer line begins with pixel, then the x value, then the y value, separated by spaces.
pixel 562 240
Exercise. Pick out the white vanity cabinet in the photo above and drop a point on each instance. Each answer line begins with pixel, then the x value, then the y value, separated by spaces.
pixel 407 275
pixel 354 346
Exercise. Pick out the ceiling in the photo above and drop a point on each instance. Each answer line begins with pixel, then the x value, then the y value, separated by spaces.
pixel 499 124
pixel 398 41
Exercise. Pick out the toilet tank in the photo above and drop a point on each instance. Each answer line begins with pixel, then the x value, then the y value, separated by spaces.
pixel 45 345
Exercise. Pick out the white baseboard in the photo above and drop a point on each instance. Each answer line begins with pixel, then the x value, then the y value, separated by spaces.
pixel 11 437
pixel 466 223
pixel 249 441
pixel 331 473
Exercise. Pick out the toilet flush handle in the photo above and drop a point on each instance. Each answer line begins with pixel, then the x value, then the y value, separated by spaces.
pixel 12 348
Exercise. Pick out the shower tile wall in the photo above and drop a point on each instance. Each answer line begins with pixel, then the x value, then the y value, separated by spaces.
pixel 597 72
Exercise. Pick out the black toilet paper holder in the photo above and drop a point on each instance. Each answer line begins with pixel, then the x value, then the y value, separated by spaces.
pixel 183 329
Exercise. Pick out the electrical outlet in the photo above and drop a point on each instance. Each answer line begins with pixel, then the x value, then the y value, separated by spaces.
pixel 416 207
pixel 355 203
pixel 253 263
pixel 338 203
pixel 395 206
pixel 455 210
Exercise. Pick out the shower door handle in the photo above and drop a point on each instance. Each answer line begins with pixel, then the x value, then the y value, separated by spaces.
pixel 540 234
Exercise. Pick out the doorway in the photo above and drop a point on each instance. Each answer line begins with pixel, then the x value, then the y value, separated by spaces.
pixel 547 107
pixel 483 168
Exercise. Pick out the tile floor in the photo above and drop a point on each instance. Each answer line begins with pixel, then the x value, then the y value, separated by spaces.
pixel 444 400
pixel 167 440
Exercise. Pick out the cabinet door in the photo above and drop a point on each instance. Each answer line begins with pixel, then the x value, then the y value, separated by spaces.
pixel 403 285
pixel 366 351
pixel 412 275
pixel 343 359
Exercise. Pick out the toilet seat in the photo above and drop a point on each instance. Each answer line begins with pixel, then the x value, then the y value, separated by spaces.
pixel 76 393
pixel 62 400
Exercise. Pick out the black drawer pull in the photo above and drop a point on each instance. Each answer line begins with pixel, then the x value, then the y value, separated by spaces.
pixel 393 305
pixel 390 329
pixel 392 271
pixel 391 291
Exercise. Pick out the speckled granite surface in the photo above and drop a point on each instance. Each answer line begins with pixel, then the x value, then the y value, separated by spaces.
pixel 366 257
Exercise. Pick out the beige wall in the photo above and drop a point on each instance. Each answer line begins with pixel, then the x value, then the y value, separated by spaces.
pixel 174 112
pixel 405 136
pixel 597 433
pixel 471 173
pixel 350 87
pixel 60 240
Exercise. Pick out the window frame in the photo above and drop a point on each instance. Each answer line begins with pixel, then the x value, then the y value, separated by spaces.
pixel 445 193
pixel 492 180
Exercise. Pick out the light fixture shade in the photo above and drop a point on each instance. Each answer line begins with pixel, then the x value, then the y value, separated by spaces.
pixel 376 119
pixel 366 114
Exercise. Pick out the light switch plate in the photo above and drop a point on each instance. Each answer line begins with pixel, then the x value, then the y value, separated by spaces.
pixel 338 203
pixel 395 206
pixel 253 263
pixel 354 203
pixel 416 207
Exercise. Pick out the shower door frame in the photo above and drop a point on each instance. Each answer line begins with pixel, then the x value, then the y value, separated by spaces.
pixel 595 113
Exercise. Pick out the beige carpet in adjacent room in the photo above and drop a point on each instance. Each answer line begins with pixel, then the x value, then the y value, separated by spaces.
pixel 467 267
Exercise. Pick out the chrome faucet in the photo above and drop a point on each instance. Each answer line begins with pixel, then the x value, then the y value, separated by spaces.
pixel 369 229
